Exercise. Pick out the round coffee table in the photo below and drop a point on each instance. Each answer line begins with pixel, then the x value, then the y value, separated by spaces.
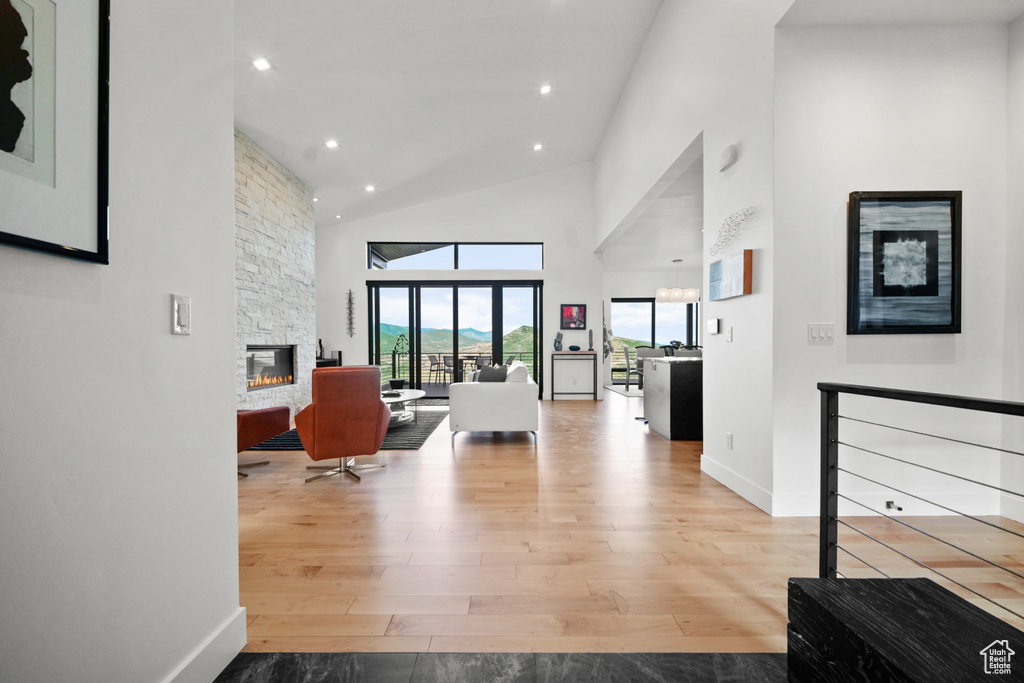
pixel 399 413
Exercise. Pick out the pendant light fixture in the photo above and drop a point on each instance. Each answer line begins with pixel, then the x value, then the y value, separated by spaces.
pixel 677 295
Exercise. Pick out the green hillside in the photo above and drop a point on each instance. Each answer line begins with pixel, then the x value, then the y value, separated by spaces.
pixel 619 342
pixel 520 339
pixel 474 334
pixel 434 341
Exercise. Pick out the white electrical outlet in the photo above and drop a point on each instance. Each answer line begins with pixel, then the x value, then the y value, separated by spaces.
pixel 728 440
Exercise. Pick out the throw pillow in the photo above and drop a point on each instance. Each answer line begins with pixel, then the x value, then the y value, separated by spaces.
pixel 495 374
pixel 518 372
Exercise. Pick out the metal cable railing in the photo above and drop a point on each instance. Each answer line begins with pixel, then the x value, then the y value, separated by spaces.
pixel 832 446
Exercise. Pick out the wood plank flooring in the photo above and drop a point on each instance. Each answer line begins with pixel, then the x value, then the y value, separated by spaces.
pixel 602 538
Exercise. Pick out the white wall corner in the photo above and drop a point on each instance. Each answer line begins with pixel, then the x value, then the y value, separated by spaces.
pixel 206 662
pixel 1012 507
pixel 737 482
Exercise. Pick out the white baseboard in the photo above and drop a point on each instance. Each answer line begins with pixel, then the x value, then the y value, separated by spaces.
pixel 738 483
pixel 1012 507
pixel 207 661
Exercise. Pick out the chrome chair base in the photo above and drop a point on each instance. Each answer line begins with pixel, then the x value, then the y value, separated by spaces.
pixel 250 464
pixel 344 467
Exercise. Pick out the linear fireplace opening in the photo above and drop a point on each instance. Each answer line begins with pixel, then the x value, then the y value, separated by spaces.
pixel 268 366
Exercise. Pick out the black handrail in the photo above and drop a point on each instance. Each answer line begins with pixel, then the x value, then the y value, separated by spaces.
pixel 830 391
pixel 985 405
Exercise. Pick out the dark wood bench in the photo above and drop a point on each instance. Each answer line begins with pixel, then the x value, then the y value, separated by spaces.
pixel 895 630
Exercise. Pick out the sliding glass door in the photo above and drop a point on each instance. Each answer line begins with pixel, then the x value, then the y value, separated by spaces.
pixel 433 333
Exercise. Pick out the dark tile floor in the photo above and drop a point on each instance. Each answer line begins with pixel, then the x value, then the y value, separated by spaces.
pixel 503 667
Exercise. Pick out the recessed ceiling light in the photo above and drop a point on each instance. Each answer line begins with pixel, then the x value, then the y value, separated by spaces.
pixel 261 64
pixel 545 89
pixel 316 199
pixel 338 216
pixel 370 188
pixel 538 147
pixel 331 144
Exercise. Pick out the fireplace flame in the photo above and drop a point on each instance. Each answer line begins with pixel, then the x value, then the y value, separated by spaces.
pixel 267 381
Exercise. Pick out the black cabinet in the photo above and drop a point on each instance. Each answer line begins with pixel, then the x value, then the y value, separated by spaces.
pixel 329 362
pixel 674 397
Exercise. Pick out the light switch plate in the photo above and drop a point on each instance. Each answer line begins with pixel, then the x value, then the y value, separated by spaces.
pixel 821 334
pixel 712 325
pixel 728 335
pixel 181 314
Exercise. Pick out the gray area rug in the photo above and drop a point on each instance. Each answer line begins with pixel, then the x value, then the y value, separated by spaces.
pixel 426 667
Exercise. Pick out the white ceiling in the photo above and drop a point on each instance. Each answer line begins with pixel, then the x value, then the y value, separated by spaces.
pixel 897 12
pixel 668 227
pixel 429 98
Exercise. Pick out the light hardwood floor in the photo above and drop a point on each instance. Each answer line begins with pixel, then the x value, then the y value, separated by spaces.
pixel 602 538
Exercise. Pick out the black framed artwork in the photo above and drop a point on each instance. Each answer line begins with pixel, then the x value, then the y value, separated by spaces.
pixel 54 160
pixel 573 316
pixel 903 260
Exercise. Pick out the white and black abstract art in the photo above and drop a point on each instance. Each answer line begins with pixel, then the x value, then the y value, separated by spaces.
pixel 904 262
pixel 54 187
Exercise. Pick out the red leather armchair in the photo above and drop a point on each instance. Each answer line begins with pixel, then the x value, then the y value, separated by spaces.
pixel 256 426
pixel 346 418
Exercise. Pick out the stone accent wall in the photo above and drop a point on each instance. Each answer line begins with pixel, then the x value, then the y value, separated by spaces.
pixel 274 271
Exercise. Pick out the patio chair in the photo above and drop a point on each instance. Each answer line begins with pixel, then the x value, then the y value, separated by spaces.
pixel 630 369
pixel 435 367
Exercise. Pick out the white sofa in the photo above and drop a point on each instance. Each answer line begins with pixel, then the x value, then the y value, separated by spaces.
pixel 508 406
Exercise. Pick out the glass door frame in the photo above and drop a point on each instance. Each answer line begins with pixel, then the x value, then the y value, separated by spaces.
pixel 413 288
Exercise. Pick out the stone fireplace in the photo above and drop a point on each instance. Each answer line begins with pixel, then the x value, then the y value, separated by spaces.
pixel 275 272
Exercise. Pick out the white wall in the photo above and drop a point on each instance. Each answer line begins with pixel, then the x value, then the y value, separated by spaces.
pixel 1013 388
pixel 885 108
pixel 554 208
pixel 118 507
pixel 708 67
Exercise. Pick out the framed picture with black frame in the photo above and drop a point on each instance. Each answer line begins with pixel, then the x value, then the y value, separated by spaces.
pixel 54 160
pixel 903 258
pixel 573 316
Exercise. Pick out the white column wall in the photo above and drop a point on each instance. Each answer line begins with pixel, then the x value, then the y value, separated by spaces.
pixel 118 506
pixel 554 208
pixel 885 108
pixel 1013 387
pixel 708 68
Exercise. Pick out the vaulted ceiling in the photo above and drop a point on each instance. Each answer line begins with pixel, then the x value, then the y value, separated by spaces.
pixel 429 98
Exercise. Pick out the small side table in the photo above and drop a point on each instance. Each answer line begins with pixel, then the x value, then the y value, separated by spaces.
pixel 399 413
pixel 573 357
